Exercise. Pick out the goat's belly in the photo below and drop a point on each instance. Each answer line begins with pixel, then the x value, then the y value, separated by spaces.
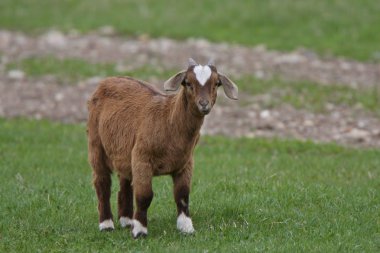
pixel 163 170
pixel 168 167
pixel 162 173
pixel 122 167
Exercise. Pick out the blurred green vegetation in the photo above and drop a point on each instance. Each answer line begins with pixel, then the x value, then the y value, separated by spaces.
pixel 348 28
pixel 74 69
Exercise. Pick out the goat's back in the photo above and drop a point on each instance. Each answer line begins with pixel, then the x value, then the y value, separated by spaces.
pixel 117 110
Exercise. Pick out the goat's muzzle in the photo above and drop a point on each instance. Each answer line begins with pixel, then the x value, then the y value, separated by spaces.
pixel 204 106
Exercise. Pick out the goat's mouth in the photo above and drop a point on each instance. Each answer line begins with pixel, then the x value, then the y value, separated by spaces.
pixel 204 111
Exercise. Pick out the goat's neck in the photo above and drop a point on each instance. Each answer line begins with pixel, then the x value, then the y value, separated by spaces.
pixel 185 117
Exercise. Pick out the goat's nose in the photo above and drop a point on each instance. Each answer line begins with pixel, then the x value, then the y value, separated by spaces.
pixel 203 102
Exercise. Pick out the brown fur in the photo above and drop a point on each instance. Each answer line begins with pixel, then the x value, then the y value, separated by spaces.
pixel 125 198
pixel 139 132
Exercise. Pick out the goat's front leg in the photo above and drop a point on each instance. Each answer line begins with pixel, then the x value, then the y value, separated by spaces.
pixel 182 182
pixel 142 188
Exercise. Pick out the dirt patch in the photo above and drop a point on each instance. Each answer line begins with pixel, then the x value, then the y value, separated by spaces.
pixel 38 98
pixel 45 97
pixel 132 53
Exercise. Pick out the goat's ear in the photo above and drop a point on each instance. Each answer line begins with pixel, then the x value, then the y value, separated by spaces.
pixel 229 87
pixel 173 83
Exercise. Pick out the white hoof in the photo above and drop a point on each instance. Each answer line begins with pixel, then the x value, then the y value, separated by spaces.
pixel 184 224
pixel 138 229
pixel 106 225
pixel 125 222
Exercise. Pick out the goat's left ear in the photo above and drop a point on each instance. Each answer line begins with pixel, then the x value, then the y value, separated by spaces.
pixel 229 87
pixel 173 83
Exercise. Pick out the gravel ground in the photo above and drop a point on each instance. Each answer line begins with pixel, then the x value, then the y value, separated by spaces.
pixel 236 60
pixel 45 97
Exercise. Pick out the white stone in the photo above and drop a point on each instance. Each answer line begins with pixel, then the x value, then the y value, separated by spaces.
pixel 291 58
pixel 362 124
pixel 259 74
pixel 107 30
pixel 16 74
pixel 308 123
pixel 265 114
pixel 54 39
pixel 59 96
pixel 250 135
pixel 5 39
pixel 358 134
pixel 95 80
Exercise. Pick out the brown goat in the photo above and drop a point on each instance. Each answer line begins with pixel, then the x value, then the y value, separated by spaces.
pixel 139 132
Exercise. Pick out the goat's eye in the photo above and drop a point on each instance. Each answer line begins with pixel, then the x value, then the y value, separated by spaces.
pixel 187 83
pixel 218 83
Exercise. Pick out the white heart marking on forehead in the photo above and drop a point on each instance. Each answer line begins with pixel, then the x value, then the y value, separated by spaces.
pixel 202 73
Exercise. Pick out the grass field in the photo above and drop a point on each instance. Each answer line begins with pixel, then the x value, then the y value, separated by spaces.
pixel 248 195
pixel 349 28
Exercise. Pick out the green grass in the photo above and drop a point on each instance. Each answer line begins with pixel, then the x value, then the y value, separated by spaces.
pixel 248 195
pixel 75 69
pixel 340 27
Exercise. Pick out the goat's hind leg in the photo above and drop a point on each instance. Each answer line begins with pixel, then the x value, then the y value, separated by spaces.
pixel 125 202
pixel 102 183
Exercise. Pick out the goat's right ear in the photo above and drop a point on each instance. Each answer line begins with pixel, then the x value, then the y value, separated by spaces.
pixel 173 83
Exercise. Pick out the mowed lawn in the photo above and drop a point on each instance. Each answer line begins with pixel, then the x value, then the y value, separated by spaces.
pixel 331 27
pixel 248 195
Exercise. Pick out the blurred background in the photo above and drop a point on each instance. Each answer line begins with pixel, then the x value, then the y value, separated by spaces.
pixel 306 69
pixel 292 166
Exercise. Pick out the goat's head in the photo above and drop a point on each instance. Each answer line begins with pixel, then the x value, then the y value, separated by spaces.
pixel 201 84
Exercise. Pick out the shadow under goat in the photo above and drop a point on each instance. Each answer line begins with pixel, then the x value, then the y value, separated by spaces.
pixel 138 132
